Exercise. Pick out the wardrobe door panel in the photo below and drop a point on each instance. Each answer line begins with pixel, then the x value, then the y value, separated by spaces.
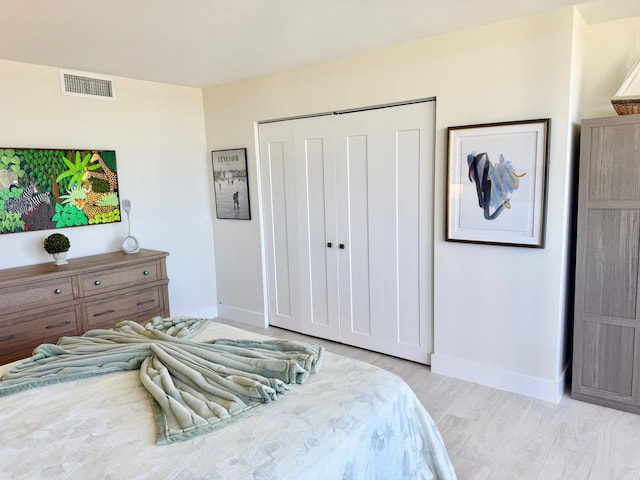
pixel 608 355
pixel 611 267
pixel 614 166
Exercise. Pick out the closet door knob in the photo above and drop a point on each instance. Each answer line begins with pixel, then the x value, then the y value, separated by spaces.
pixel 341 246
pixel 329 244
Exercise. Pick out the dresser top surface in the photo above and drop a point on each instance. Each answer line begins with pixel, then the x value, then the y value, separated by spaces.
pixel 77 265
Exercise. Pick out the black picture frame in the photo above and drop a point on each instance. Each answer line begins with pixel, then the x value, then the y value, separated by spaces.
pixel 231 184
pixel 497 183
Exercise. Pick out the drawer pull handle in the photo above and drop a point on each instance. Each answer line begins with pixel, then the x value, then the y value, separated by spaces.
pixel 61 324
pixel 97 282
pixel 107 312
pixel 8 337
pixel 146 272
pixel 58 291
pixel 145 302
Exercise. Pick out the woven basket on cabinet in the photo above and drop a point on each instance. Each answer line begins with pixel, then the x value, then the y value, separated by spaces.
pixel 626 107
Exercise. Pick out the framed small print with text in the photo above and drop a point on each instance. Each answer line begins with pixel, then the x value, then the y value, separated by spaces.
pixel 496 184
pixel 231 184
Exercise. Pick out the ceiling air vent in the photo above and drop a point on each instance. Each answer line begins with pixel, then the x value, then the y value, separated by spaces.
pixel 90 85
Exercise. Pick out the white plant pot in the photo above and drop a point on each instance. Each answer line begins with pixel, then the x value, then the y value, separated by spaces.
pixel 60 258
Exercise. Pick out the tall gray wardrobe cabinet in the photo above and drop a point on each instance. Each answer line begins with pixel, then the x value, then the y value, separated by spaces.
pixel 606 344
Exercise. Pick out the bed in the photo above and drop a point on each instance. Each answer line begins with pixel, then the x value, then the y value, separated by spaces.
pixel 346 419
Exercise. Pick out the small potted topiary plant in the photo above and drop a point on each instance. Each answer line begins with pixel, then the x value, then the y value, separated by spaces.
pixel 57 245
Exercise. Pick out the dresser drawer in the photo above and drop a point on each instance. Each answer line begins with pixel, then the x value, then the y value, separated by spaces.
pixel 106 313
pixel 45 328
pixel 107 280
pixel 35 294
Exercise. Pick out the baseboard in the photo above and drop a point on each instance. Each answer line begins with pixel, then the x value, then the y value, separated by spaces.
pixel 256 319
pixel 209 312
pixel 546 390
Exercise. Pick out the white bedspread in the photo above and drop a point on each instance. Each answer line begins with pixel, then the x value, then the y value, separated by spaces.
pixel 350 421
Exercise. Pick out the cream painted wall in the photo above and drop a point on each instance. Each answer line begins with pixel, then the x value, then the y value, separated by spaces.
pixel 157 131
pixel 499 311
pixel 506 332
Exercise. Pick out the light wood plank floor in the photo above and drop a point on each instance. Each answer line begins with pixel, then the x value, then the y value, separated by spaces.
pixel 491 434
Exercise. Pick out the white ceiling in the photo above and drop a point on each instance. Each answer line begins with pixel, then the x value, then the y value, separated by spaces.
pixel 205 42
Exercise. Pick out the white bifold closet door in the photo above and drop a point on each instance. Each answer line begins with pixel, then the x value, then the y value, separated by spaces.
pixel 348 227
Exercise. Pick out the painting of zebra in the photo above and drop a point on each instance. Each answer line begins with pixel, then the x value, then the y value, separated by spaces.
pixel 28 201
pixel 50 188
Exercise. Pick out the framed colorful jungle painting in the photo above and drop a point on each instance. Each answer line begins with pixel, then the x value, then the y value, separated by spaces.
pixel 43 189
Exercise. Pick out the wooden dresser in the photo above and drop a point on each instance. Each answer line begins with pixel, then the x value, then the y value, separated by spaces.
pixel 41 303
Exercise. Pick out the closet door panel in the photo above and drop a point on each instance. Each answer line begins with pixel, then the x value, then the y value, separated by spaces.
pixel 408 132
pixel 315 266
pixel 279 230
pixel 353 231
pixel 361 230
pixel 408 229
pixel 394 149
pixel 348 220
pixel 316 206
pixel 383 264
pixel 414 159
pixel 280 227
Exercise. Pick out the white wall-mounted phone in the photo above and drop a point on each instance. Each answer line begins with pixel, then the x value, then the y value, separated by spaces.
pixel 130 243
